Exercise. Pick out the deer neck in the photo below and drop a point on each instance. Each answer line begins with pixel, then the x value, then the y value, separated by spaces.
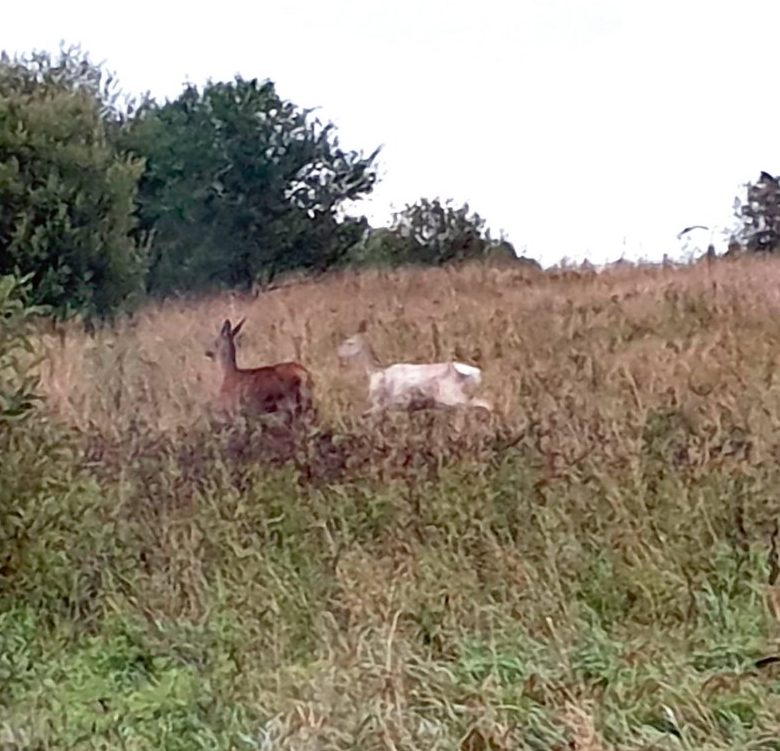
pixel 227 358
pixel 368 361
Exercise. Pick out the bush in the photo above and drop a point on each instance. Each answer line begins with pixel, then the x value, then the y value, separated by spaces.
pixel 380 247
pixel 17 385
pixel 46 505
pixel 66 197
pixel 431 233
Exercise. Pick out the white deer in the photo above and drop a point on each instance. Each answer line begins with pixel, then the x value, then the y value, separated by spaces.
pixel 413 386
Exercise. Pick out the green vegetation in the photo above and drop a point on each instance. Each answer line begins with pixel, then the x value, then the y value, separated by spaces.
pixel 66 196
pixel 225 186
pixel 592 569
pixel 240 185
pixel 430 233
pixel 594 566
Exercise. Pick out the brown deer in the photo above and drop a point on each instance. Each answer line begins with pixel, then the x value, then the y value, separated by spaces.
pixel 285 387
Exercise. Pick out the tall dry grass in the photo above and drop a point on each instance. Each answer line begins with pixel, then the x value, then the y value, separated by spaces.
pixel 577 348
pixel 593 567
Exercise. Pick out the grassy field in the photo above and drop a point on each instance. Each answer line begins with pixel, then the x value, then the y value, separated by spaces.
pixel 592 567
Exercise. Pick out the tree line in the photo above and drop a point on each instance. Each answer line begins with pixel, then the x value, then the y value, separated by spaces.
pixel 105 200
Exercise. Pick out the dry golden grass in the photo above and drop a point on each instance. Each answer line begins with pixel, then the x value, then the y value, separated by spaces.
pixel 588 345
pixel 604 550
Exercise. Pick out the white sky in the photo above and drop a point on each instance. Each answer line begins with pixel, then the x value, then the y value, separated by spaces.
pixel 581 129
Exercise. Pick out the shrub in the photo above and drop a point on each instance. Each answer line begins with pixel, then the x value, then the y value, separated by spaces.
pixel 46 504
pixel 67 197
pixel 430 232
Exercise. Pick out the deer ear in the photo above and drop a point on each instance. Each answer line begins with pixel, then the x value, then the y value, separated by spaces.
pixel 226 328
pixel 238 326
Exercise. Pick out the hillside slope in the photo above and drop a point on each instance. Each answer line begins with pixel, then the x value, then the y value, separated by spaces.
pixel 552 577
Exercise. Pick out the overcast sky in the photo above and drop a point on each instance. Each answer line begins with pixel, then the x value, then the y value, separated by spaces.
pixel 581 129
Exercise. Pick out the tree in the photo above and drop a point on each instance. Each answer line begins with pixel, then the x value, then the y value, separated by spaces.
pixel 66 197
pixel 441 232
pixel 759 215
pixel 240 185
pixel 430 232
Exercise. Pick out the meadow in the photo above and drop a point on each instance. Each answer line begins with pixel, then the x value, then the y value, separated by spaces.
pixel 591 567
